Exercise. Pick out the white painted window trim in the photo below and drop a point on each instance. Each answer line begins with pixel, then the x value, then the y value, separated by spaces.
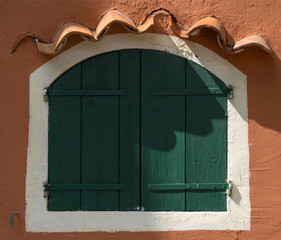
pixel 237 216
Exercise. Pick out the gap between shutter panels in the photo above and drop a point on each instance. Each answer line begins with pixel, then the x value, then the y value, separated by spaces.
pixel 155 93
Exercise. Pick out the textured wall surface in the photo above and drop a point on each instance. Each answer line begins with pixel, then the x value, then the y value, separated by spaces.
pixel 241 18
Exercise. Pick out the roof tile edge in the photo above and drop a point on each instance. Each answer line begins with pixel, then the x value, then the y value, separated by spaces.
pixel 115 16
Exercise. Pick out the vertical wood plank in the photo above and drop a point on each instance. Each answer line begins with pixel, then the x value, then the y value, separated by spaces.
pixel 64 141
pixel 162 131
pixel 206 146
pixel 100 131
pixel 130 130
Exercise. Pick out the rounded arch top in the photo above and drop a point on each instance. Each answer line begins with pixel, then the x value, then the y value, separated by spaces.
pixel 173 45
pixel 200 70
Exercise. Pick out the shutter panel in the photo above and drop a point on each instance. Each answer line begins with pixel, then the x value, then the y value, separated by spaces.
pixel 110 146
pixel 162 131
pixel 100 132
pixel 103 135
pixel 194 112
pixel 206 140
pixel 64 141
pixel 130 130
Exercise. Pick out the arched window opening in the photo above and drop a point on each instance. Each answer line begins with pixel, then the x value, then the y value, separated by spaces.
pixel 137 130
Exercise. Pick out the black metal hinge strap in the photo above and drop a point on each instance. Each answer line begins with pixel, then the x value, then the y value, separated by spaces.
pixel 82 187
pixel 194 91
pixel 110 92
pixel 188 186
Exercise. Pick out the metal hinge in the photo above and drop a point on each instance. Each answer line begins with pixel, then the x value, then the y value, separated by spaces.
pixel 46 190
pixel 82 187
pixel 230 92
pixel 226 114
pixel 226 187
pixel 45 94
pixel 229 189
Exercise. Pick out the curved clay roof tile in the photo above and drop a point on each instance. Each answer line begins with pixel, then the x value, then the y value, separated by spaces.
pixel 114 16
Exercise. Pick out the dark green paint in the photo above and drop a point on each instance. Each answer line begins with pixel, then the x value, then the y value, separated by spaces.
pixel 137 130
pixel 86 92
pixel 162 131
pixel 64 141
pixel 100 132
pixel 84 187
pixel 206 140
pixel 129 165
pixel 195 91
pixel 188 186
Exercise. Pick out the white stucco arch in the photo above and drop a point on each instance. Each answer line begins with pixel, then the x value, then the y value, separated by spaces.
pixel 237 216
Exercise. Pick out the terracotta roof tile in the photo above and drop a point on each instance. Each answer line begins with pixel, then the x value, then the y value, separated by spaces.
pixel 114 16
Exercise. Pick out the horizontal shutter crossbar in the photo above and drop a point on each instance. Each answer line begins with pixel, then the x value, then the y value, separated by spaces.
pixel 194 91
pixel 188 186
pixel 82 187
pixel 110 92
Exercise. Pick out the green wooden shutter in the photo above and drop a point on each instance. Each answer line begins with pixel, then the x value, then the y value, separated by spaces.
pixel 129 166
pixel 137 130
pixel 162 130
pixel 206 140
pixel 64 141
pixel 183 137
pixel 94 135
pixel 100 132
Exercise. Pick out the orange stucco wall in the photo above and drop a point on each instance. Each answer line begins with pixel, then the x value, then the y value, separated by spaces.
pixel 241 18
